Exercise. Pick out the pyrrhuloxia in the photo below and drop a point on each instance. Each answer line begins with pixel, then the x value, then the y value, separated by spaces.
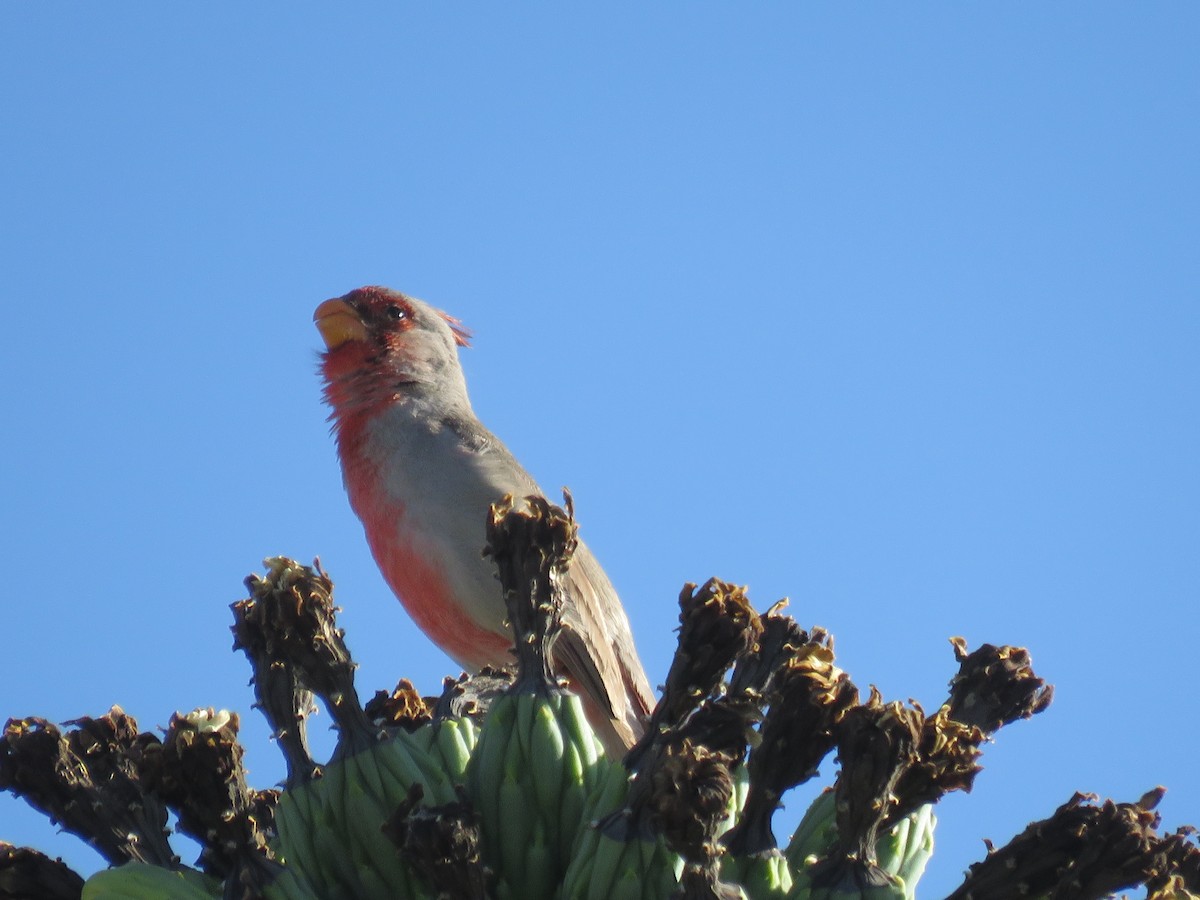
pixel 421 471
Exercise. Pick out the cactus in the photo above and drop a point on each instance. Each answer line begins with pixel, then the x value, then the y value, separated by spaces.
pixel 499 788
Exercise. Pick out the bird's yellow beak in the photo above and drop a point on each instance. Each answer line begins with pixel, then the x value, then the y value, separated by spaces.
pixel 338 323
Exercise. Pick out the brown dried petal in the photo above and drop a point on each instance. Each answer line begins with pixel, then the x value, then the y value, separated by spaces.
pixel 442 844
pixel 1176 869
pixel 809 696
pixel 781 637
pixel 1083 851
pixel 25 872
pixel 98 796
pixel 691 791
pixel 717 626
pixel 946 761
pixel 403 708
pixel 995 686
pixel 289 624
pixel 471 695
pixel 532 548
pixel 877 741
pixel 202 778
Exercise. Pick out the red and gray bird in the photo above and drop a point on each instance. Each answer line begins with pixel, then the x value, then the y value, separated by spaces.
pixel 421 472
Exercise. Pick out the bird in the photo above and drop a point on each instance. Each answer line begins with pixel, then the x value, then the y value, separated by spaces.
pixel 421 472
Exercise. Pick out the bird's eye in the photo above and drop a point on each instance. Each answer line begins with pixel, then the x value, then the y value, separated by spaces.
pixel 396 312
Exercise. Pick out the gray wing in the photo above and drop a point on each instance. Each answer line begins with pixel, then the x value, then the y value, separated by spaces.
pixel 595 650
pixel 597 654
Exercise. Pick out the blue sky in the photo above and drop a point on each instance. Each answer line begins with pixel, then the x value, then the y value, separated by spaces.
pixel 892 310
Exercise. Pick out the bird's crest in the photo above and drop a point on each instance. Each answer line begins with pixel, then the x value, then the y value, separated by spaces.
pixel 462 334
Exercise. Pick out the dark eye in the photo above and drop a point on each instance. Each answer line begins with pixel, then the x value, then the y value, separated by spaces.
pixel 396 312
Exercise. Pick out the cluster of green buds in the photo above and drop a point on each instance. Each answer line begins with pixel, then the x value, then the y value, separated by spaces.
pixel 499 789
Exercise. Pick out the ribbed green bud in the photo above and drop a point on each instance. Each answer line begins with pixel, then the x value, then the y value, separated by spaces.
pixel 869 883
pixel 815 834
pixel 330 830
pixel 454 742
pixel 740 776
pixel 765 876
pixel 532 770
pixel 142 881
pixel 635 869
pixel 905 850
pixel 290 885
pixel 902 852
pixel 448 743
pixel 602 868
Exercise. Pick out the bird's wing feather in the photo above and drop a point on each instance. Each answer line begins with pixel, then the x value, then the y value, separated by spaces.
pixel 593 655
pixel 596 641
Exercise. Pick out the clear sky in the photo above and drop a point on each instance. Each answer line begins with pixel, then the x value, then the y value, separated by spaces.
pixel 890 309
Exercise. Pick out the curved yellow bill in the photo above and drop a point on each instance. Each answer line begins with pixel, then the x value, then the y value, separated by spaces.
pixel 339 323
